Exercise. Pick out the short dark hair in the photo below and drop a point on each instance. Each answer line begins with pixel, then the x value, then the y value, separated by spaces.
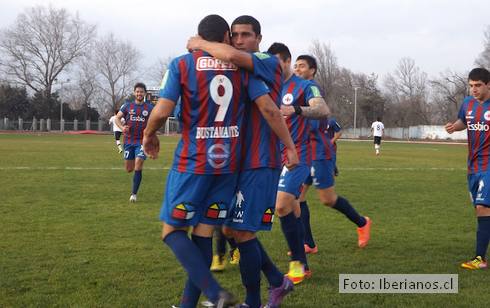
pixel 248 20
pixel 213 28
pixel 280 49
pixel 139 85
pixel 479 73
pixel 378 119
pixel 310 60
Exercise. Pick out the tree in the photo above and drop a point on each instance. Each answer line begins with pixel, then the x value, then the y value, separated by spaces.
pixel 154 74
pixel 448 91
pixel 117 63
pixel 41 44
pixel 14 102
pixel 407 95
pixel 484 59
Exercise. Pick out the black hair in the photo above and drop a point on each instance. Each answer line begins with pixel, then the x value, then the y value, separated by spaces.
pixel 213 28
pixel 310 60
pixel 281 50
pixel 248 20
pixel 139 85
pixel 378 119
pixel 479 74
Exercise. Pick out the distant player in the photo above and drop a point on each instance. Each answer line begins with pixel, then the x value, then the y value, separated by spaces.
pixel 117 131
pixel 474 115
pixel 301 99
pixel 377 130
pixel 322 170
pixel 202 182
pixel 334 132
pixel 135 114
pixel 254 206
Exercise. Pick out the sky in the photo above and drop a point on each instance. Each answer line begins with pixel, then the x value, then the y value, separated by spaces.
pixel 369 36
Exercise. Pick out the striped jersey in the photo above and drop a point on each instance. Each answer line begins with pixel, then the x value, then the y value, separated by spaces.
pixel 261 145
pixel 135 117
pixel 333 127
pixel 297 91
pixel 476 117
pixel 213 95
pixel 320 142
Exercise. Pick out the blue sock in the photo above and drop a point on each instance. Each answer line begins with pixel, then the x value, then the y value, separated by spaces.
pixel 301 230
pixel 190 297
pixel 305 218
pixel 273 275
pixel 482 236
pixel 231 242
pixel 343 206
pixel 220 243
pixel 138 175
pixel 194 263
pixel 250 264
pixel 290 228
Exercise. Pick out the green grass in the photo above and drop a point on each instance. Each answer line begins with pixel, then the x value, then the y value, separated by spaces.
pixel 69 237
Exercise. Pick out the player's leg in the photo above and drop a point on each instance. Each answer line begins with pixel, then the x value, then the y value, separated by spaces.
pixel 310 245
pixel 117 137
pixel 183 206
pixel 138 171
pixel 219 261
pixel 480 195
pixel 377 144
pixel 323 180
pixel 288 211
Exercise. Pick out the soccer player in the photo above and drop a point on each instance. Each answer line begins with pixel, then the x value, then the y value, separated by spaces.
pixel 202 181
pixel 377 130
pixel 135 114
pixel 255 202
pixel 474 116
pixel 219 260
pixel 322 170
pixel 301 99
pixel 117 131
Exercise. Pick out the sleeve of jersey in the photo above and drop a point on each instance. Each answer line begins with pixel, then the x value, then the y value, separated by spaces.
pixel 312 91
pixel 170 87
pixel 462 112
pixel 256 88
pixel 337 127
pixel 265 66
pixel 124 108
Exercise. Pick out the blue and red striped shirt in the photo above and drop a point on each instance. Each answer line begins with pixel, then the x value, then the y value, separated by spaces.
pixel 320 143
pixel 297 91
pixel 261 145
pixel 476 117
pixel 136 116
pixel 213 95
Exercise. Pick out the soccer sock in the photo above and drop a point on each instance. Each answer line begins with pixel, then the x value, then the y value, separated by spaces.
pixel 273 275
pixel 118 142
pixel 194 263
pixel 191 294
pixel 343 206
pixel 290 228
pixel 482 236
pixel 138 175
pixel 250 264
pixel 301 232
pixel 305 218
pixel 231 242
pixel 220 243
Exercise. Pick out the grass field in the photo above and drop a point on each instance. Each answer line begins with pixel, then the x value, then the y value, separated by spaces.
pixel 69 237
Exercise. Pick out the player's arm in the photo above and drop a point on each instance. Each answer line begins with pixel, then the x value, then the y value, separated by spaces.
pixel 158 116
pixel 119 123
pixel 454 127
pixel 336 136
pixel 317 109
pixel 272 115
pixel 223 52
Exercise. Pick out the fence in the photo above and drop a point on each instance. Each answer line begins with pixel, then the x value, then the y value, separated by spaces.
pixel 431 132
pixel 48 125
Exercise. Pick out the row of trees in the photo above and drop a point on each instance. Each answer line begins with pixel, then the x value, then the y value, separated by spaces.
pixel 49 55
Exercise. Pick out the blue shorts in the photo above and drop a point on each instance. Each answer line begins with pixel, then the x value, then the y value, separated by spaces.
pixel 292 181
pixel 132 151
pixel 253 206
pixel 322 174
pixel 479 187
pixel 191 199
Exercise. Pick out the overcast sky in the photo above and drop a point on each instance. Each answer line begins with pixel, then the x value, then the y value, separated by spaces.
pixel 366 36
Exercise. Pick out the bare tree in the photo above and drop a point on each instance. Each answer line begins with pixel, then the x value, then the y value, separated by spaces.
pixel 154 73
pixel 117 63
pixel 484 59
pixel 407 93
pixel 41 44
pixel 328 70
pixel 448 91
